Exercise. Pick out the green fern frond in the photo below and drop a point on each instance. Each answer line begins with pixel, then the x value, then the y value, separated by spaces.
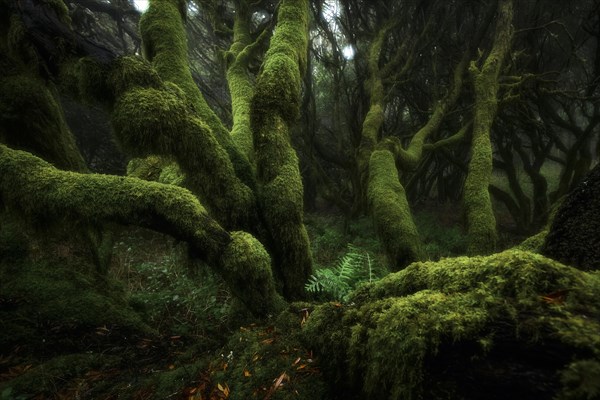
pixel 336 283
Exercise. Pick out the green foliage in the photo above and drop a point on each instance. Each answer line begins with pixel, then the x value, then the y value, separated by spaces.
pixel 178 301
pixel 355 267
pixel 581 380
pixel 439 240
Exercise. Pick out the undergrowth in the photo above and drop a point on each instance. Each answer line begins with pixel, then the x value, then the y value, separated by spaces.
pixel 175 296
pixel 336 283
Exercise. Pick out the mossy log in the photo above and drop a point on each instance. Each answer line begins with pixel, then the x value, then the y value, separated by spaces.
pixel 574 236
pixel 35 188
pixel 510 325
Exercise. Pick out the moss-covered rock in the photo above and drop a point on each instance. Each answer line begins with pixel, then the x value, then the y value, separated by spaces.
pixel 466 327
pixel 574 237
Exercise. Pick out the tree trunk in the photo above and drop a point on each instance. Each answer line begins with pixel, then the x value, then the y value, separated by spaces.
pixel 481 222
pixel 275 107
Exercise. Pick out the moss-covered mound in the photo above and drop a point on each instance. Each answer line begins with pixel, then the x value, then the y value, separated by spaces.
pixel 574 237
pixel 511 325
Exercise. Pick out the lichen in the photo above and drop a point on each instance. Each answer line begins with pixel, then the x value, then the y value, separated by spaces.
pixel 391 212
pixel 422 331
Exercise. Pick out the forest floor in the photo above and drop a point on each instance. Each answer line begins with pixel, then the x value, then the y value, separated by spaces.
pixel 202 343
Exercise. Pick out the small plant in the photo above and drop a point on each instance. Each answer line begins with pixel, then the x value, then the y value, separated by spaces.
pixel 355 267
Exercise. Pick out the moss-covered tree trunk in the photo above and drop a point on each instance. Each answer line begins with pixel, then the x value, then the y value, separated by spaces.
pixel 275 107
pixel 478 206
pixel 221 173
pixel 35 188
pixel 379 176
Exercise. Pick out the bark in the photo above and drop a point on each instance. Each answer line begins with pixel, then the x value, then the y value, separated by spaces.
pixel 481 222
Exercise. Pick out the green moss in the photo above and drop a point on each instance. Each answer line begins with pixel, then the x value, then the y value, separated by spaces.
pixel 581 380
pixel 148 168
pixel 241 84
pixel 246 265
pixel 403 336
pixel 533 243
pixel 391 212
pixel 481 221
pixel 31 118
pixel 274 107
pixel 478 206
pixel 129 72
pixel 18 45
pixel 58 296
pixel 165 46
pixel 160 122
pixel 45 191
pixel 14 243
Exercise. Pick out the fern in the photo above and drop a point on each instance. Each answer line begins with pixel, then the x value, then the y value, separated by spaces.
pixel 336 283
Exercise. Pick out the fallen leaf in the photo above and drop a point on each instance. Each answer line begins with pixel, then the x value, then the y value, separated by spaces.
pixel 268 341
pixel 297 361
pixel 247 373
pixel 557 297
pixel 277 384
